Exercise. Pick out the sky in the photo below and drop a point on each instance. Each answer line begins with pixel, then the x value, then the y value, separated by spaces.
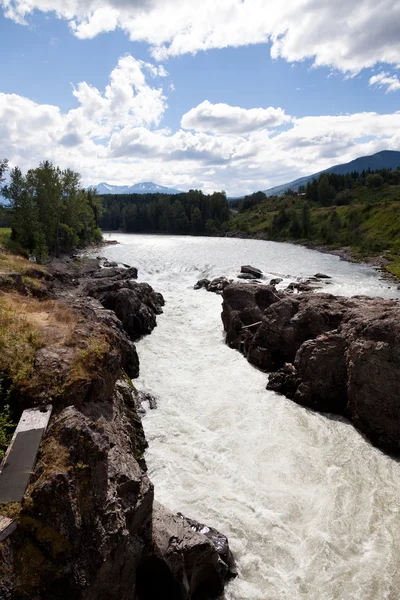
pixel 234 95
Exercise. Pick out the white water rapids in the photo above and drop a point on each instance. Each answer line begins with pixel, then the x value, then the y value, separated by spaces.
pixel 311 509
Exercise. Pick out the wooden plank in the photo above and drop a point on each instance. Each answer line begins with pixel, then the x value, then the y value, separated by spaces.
pixel 7 526
pixel 20 457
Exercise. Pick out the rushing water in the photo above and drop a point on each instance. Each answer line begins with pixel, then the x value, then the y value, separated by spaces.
pixel 310 507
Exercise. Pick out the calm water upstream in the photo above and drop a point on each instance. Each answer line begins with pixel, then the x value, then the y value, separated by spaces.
pixel 311 509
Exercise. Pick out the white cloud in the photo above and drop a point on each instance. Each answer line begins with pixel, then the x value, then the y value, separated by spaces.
pixel 348 35
pixel 117 135
pixel 222 118
pixel 392 82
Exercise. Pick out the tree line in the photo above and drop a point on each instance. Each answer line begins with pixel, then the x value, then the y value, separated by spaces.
pixel 329 188
pixel 49 211
pixel 192 213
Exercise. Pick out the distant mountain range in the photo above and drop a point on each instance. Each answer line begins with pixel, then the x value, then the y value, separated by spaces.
pixel 146 187
pixel 387 159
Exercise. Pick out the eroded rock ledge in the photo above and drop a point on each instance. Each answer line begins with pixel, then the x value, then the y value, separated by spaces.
pixel 89 528
pixel 333 354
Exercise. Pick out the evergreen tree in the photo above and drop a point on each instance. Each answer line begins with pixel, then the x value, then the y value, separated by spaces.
pixel 50 212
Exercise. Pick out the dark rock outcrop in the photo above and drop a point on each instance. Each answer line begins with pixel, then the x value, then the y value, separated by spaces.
pixel 198 559
pixel 275 281
pixel 329 353
pixel 88 528
pixel 251 270
pixel 216 286
pixel 202 283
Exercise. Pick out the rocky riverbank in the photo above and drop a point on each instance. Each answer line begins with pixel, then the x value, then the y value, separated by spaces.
pixel 328 353
pixel 88 527
pixel 379 262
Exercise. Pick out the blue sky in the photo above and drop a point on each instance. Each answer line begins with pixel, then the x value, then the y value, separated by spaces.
pixel 239 97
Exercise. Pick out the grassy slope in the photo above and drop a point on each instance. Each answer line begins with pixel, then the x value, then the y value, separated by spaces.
pixel 369 224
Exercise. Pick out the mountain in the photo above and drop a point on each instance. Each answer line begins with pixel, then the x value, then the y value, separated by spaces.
pixel 387 159
pixel 146 187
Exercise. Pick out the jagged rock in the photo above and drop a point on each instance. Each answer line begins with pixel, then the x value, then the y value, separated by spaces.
pixel 218 284
pixel 110 263
pixel 93 310
pixel 135 307
pixel 149 398
pixel 252 270
pixel 202 283
pixel 284 381
pixel 243 310
pixel 331 354
pixel 87 529
pixel 275 281
pixel 83 528
pixel 218 540
pixel 116 273
pixel 184 564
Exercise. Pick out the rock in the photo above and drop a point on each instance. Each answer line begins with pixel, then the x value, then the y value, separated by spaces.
pixel 110 263
pixel 247 276
pixel 116 273
pixel 322 276
pixel 83 527
pixel 149 398
pixel 243 310
pixel 251 270
pixel 88 528
pixel 202 283
pixel 184 564
pixel 218 285
pixel 329 353
pixel 275 281
pixel 218 540
pixel 135 304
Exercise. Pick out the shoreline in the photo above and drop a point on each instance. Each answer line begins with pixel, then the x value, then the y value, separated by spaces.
pixel 377 262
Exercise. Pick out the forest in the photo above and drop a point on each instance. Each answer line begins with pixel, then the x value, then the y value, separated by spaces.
pixel 48 210
pixel 358 211
pixel 187 213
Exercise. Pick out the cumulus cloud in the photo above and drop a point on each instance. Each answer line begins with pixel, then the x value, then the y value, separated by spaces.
pixel 117 135
pixel 222 118
pixel 348 35
pixel 392 82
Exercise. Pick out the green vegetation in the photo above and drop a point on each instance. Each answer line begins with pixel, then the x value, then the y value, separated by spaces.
pixel 49 212
pixel 187 213
pixel 7 427
pixel 19 341
pixel 358 212
pixel 10 510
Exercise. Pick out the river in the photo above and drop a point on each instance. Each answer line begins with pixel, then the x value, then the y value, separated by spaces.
pixel 311 509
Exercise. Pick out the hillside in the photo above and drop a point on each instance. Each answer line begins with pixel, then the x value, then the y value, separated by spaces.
pixel 364 221
pixel 387 159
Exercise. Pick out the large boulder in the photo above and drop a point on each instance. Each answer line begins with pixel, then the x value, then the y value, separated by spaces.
pixel 328 353
pixel 243 310
pixel 135 304
pixel 188 560
pixel 251 270
pixel 216 286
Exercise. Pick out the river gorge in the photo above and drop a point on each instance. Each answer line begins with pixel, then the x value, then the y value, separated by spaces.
pixel 310 506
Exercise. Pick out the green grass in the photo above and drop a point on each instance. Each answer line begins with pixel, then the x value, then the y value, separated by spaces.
pixel 367 223
pixel 5 236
